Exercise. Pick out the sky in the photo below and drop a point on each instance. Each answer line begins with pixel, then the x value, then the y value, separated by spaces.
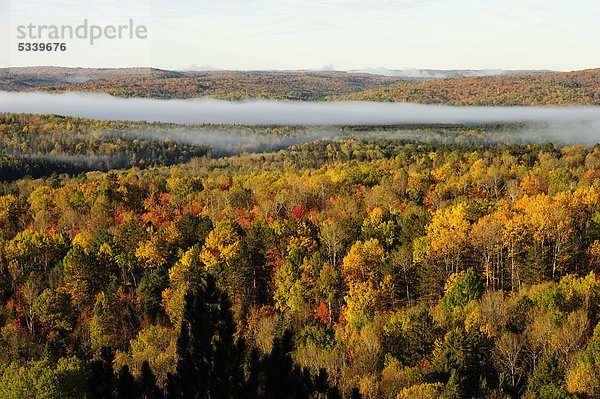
pixel 317 34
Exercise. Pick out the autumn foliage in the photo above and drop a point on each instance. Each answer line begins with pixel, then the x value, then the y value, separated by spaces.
pixel 382 268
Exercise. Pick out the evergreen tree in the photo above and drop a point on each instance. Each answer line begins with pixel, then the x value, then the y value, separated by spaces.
pixel 282 379
pixel 125 384
pixel 147 384
pixel 101 382
pixel 461 359
pixel 210 359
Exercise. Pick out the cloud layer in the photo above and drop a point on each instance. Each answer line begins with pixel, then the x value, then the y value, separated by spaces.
pixel 105 107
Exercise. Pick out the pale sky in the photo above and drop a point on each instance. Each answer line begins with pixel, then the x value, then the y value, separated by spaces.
pixel 316 34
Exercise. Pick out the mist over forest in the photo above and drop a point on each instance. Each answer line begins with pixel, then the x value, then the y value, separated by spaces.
pixel 273 248
pixel 260 112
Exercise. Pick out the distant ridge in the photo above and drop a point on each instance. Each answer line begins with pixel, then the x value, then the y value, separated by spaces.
pixel 446 73
pixel 427 86
pixel 559 88
pixel 159 83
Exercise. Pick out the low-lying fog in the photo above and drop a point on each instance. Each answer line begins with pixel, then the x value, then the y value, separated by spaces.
pixel 105 107
pixel 231 141
pixel 568 125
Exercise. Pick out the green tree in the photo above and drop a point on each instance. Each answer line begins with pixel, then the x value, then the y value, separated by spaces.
pixel 461 289
pixel 461 361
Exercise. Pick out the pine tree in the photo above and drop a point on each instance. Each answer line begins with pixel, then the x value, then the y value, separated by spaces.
pixel 210 358
pixel 282 379
pixel 101 382
pixel 147 384
pixel 125 384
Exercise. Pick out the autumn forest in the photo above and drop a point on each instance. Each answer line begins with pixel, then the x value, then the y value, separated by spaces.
pixel 421 261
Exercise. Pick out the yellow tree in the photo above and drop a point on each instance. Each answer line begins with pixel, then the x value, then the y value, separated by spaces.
pixel 359 305
pixel 304 238
pixel 221 244
pixel 41 202
pixel 376 226
pixel 184 274
pixel 515 229
pixel 363 261
pixel 487 239
pixel 447 235
pixel 290 288
pixel 551 225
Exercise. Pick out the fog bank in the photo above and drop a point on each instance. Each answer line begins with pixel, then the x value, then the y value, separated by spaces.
pixel 105 107
pixel 230 141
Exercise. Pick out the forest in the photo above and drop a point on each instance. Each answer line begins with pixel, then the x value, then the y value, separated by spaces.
pixel 158 83
pixel 38 145
pixel 524 89
pixel 563 88
pixel 435 265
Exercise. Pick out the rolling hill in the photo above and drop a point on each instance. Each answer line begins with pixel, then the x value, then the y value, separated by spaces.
pixel 564 88
pixel 157 83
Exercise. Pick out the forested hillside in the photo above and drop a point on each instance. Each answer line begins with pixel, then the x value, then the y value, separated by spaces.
pixel 39 145
pixel 358 267
pixel 579 87
pixel 42 145
pixel 157 83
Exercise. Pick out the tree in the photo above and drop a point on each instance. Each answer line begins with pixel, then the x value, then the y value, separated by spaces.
pixel 194 229
pixel 360 305
pixel 146 384
pixel 104 384
pixel 221 244
pixel 548 378
pixel 283 379
pixel 583 380
pixel 551 227
pixel 154 345
pixel 461 360
pixel 185 274
pixel 247 274
pixel 486 236
pixel 363 261
pixel 509 352
pixel 9 215
pixel 410 335
pixel 583 376
pixel 379 225
pixel 290 290
pixel 328 287
pixel 447 237
pixel 101 381
pixel 150 289
pixel 422 391
pixel 333 235
pixel 210 361
pixel 125 384
pixel 461 288
pixel 113 319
